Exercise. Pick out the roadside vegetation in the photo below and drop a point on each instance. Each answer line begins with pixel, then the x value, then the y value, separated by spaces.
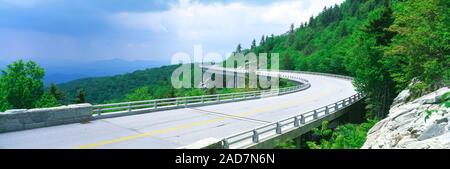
pixel 385 45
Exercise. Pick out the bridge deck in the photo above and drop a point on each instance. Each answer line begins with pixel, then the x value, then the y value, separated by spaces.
pixel 180 127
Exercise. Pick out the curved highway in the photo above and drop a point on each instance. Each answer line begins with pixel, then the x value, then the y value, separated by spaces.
pixel 180 127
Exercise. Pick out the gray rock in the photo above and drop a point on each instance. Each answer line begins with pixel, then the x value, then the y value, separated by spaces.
pixel 406 127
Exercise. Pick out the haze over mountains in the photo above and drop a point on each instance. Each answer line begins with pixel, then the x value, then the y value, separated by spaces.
pixel 56 73
pixel 63 72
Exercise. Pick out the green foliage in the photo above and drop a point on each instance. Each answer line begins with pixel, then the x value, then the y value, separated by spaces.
pixel 46 100
pixel 56 93
pixel 347 136
pixel 421 50
pixel 21 85
pixel 81 96
pixel 366 61
pixel 383 45
pixel 285 144
pixel 115 88
pixel 444 102
pixel 142 93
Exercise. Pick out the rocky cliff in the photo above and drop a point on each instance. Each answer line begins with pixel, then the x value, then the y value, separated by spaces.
pixel 410 125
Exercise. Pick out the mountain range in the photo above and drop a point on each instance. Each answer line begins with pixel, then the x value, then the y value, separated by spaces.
pixel 60 73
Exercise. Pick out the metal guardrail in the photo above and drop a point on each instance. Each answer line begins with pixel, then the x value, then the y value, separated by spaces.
pixel 126 108
pixel 277 128
pixel 247 137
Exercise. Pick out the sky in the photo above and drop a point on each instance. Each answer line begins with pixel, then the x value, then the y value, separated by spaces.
pixel 64 31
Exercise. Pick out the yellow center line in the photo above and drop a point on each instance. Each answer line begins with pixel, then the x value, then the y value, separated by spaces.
pixel 205 122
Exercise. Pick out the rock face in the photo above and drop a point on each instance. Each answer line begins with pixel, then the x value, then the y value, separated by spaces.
pixel 406 126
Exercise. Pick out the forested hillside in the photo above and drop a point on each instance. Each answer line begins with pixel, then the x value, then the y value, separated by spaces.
pixel 145 84
pixel 383 44
pixel 101 89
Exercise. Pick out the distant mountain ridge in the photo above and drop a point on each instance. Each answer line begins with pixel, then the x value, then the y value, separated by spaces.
pixel 68 72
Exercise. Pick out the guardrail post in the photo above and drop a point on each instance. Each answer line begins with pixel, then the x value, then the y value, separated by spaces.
pixel 336 106
pixel 129 107
pixel 99 112
pixel 278 129
pixel 185 102
pixel 296 121
pixel 218 98
pixel 254 94
pixel 244 96
pixel 225 144
pixel 315 115
pixel 327 111
pixel 176 102
pixel 155 105
pixel 302 119
pixel 203 99
pixel 232 97
pixel 255 137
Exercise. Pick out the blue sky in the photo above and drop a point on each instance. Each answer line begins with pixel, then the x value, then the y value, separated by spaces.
pixel 57 31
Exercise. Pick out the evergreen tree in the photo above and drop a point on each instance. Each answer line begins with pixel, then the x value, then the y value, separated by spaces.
pixel 56 93
pixel 253 44
pixel 239 49
pixel 288 62
pixel 262 41
pixel 291 37
pixel 371 75
pixel 312 22
pixel 81 97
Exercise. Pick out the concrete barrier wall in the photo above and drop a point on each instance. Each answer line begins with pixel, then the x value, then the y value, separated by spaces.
pixel 21 119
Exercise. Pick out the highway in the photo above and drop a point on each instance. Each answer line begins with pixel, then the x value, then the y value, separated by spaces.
pixel 180 127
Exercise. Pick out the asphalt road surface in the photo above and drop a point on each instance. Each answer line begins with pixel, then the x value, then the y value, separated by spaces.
pixel 181 127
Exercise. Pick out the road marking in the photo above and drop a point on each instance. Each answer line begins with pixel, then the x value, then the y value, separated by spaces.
pixel 204 122
pixel 231 116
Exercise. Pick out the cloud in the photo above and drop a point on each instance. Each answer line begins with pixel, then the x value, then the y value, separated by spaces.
pixel 196 21
pixel 140 21
pixel 142 29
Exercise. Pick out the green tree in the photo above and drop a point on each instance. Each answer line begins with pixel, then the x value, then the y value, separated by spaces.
pixel 291 36
pixel 253 44
pixel 239 48
pixel 46 100
pixel 81 96
pixel 288 62
pixel 421 48
pixel 56 93
pixel 21 85
pixel 285 144
pixel 262 41
pixel 347 136
pixel 322 135
pixel 366 61
pixel 139 94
